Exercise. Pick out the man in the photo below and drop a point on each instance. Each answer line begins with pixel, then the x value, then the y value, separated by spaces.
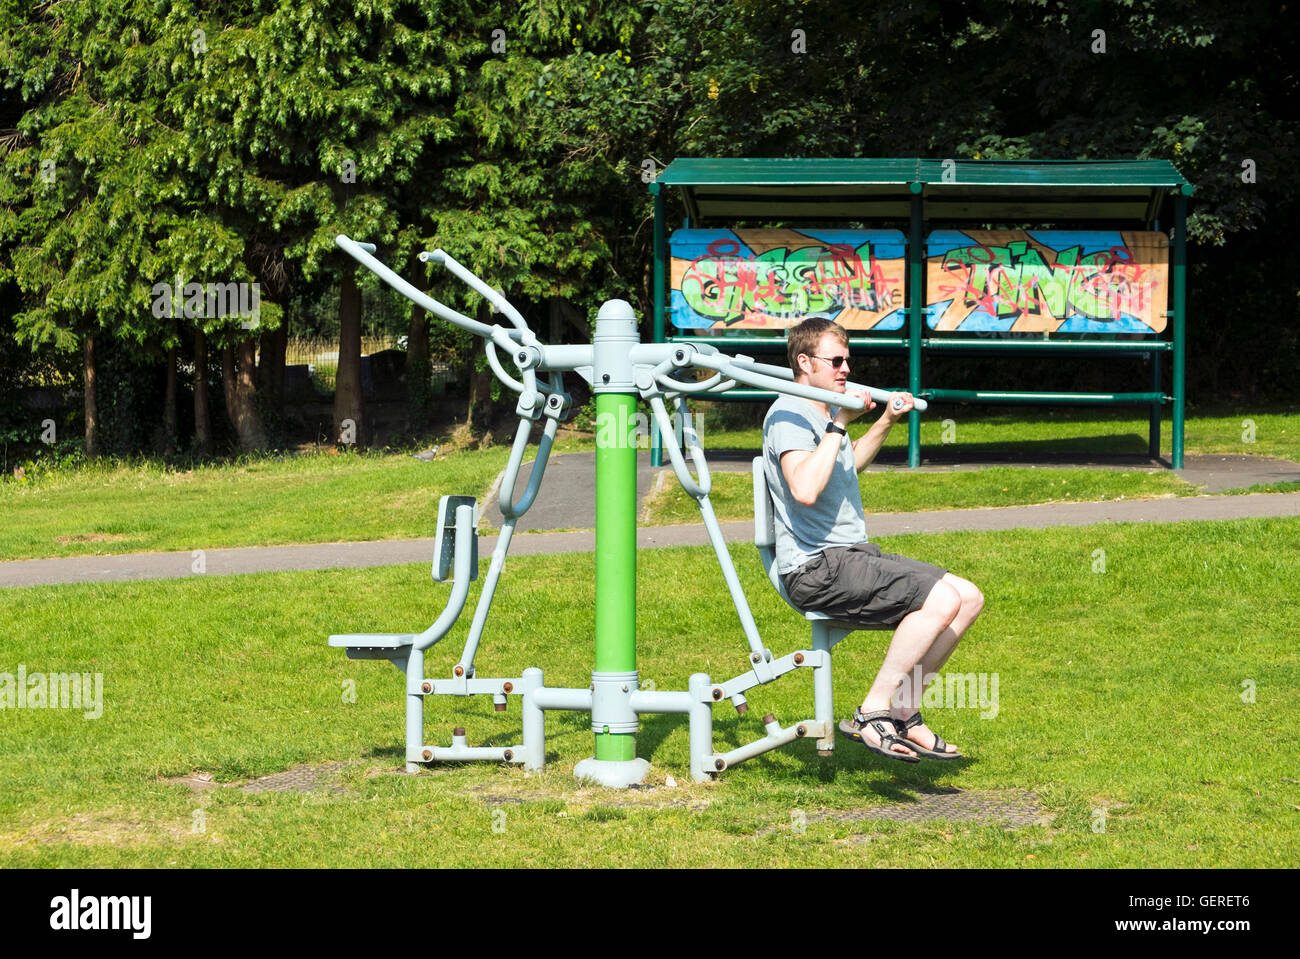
pixel 827 564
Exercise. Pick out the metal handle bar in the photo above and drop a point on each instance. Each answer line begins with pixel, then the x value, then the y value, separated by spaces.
pixel 511 509
pixel 493 335
pixel 361 252
pixel 478 286
pixel 714 384
pixel 747 375
pixel 703 482
pixel 880 396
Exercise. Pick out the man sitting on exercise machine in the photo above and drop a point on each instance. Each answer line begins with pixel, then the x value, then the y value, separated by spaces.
pixel 826 563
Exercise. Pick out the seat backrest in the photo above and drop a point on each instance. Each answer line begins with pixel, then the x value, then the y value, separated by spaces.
pixel 765 529
pixel 765 539
pixel 444 544
pixel 764 522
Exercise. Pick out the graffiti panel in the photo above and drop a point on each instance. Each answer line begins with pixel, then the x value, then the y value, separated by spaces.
pixel 757 279
pixel 1047 281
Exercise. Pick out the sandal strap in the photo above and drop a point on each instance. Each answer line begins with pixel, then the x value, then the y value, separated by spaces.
pixel 914 720
pixel 886 726
pixel 860 716
pixel 879 716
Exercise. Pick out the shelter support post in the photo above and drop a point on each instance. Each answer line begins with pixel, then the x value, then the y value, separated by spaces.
pixel 1180 320
pixel 915 297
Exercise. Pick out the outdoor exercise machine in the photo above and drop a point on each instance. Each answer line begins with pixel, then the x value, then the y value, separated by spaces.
pixel 619 368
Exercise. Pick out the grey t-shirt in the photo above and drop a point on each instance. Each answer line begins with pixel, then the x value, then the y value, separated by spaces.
pixel 836 519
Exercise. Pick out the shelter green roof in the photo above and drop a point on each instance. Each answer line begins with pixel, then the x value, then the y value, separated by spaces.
pixel 1118 191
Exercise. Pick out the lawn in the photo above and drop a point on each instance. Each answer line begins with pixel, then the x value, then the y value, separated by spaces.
pixel 334 497
pixel 1147 699
pixel 318 498
pixel 955 432
pixel 903 491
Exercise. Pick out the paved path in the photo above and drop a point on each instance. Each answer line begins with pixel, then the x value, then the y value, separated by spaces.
pixel 567 499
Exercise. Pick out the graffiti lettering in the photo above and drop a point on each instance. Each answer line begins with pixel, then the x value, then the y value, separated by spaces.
pixel 1014 281
pixel 785 283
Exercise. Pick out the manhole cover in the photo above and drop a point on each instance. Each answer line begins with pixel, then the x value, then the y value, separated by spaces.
pixel 303 778
pixel 1011 808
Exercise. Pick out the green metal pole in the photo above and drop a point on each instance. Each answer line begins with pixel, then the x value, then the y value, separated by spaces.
pixel 613 677
pixel 660 271
pixel 615 552
pixel 661 260
pixel 915 295
pixel 1180 326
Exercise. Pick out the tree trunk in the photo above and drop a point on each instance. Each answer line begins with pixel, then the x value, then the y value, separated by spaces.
pixel 238 372
pixel 92 413
pixel 419 396
pixel 202 408
pixel 169 401
pixel 479 415
pixel 253 434
pixel 228 381
pixel 273 346
pixel 348 421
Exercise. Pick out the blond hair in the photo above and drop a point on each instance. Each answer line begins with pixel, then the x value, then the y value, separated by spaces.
pixel 805 337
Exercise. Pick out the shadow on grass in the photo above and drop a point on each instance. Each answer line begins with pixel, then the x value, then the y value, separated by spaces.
pixel 1127 451
pixel 849 759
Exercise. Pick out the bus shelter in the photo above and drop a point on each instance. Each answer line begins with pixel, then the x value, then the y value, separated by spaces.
pixel 917 257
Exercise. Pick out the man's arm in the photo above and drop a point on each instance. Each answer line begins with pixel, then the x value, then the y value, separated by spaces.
pixel 868 444
pixel 807 473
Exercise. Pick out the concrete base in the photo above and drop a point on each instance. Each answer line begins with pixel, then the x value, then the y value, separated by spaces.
pixel 617 774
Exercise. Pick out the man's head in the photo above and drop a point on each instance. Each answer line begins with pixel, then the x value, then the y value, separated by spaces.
pixel 813 347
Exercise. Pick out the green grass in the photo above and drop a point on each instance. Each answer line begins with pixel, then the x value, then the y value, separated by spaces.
pixel 1030 431
pixel 901 491
pixel 319 498
pixel 1265 488
pixel 1119 690
pixel 115 509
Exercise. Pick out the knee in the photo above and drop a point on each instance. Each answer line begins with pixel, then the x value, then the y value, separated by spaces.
pixel 972 600
pixel 944 602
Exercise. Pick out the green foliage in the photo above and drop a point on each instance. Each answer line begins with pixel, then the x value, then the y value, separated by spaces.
pixel 233 142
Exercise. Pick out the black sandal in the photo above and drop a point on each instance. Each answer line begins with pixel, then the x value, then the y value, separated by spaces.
pixel 885 727
pixel 938 752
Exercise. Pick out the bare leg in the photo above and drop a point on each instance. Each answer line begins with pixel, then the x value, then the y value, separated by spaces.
pixel 909 699
pixel 912 639
pixel 972 603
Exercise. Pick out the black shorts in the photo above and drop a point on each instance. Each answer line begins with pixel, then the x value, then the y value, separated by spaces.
pixel 860 584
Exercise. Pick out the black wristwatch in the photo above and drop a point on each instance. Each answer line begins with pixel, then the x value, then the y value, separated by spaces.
pixel 833 427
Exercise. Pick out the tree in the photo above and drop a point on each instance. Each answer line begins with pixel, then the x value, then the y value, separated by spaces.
pixel 108 232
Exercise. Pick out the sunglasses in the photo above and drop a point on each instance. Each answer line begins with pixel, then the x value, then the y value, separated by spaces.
pixel 835 361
